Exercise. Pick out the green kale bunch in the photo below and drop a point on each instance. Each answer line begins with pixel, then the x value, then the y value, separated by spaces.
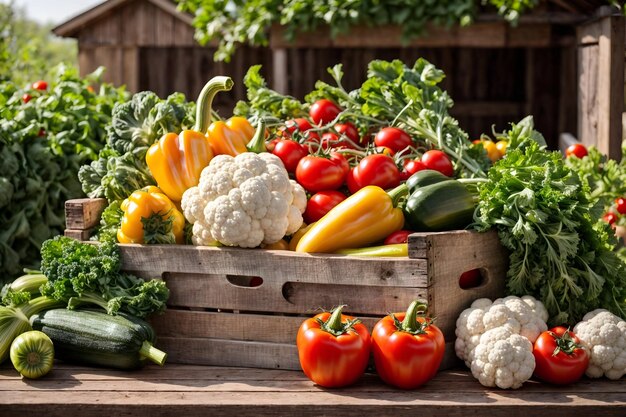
pixel 83 273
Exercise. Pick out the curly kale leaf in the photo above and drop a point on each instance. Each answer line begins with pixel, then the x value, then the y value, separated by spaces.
pixel 81 273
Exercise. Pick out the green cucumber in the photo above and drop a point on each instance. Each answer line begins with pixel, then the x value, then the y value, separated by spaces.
pixel 446 205
pixel 32 354
pixel 95 338
pixel 425 177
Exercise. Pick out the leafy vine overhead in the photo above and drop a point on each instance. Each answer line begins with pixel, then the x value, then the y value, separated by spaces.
pixel 233 22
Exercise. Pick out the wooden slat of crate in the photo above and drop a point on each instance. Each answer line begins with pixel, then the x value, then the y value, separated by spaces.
pixel 280 265
pixel 83 213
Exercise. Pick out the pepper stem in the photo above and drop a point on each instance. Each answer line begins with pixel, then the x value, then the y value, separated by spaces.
pixel 257 143
pixel 410 324
pixel 205 101
pixel 335 326
pixel 398 193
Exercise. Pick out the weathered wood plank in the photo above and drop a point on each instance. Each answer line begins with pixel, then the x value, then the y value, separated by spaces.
pixel 200 391
pixel 84 213
pixel 601 77
pixel 478 35
pixel 282 266
pixel 81 235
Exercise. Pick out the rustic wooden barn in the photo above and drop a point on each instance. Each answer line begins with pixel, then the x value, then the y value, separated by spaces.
pixel 149 45
pixel 563 63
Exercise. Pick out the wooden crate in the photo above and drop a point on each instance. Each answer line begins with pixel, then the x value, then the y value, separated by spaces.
pixel 215 317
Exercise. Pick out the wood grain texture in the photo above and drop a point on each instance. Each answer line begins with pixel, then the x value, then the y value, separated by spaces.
pixel 193 390
pixel 81 235
pixel 494 34
pixel 84 213
pixel 601 77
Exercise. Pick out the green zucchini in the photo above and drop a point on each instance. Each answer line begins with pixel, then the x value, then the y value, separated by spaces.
pixel 32 354
pixel 95 338
pixel 445 205
pixel 425 177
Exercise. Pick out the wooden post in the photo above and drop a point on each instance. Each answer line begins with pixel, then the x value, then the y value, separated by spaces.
pixel 601 82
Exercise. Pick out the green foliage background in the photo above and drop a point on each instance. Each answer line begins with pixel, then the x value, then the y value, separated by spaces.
pixel 28 50
pixel 233 22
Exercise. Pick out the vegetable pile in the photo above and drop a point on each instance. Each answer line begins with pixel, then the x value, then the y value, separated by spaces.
pixel 47 131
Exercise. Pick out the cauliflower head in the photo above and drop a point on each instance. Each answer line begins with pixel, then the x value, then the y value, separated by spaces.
pixel 244 201
pixel 525 316
pixel 603 335
pixel 503 359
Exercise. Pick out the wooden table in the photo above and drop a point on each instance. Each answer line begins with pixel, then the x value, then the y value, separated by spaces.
pixel 189 390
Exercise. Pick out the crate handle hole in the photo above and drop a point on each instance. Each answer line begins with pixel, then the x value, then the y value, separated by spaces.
pixel 471 279
pixel 245 281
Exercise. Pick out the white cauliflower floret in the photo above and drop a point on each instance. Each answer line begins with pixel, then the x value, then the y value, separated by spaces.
pixel 603 335
pixel 513 313
pixel 503 358
pixel 244 201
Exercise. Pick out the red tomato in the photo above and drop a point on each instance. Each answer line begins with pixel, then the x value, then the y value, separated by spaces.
pixel 439 161
pixel 578 150
pixel 393 138
pixel 620 205
pixel 411 167
pixel 318 173
pixel 610 218
pixel 41 133
pixel 26 98
pixel 401 236
pixel 320 203
pixel 409 355
pixel 559 358
pixel 300 124
pixel 40 85
pixel 377 169
pixel 353 186
pixel 333 351
pixel 470 279
pixel 324 111
pixel 290 152
pixel 330 140
pixel 351 132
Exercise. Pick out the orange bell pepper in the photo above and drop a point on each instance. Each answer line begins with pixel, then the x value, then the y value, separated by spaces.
pixel 150 217
pixel 230 137
pixel 366 217
pixel 177 160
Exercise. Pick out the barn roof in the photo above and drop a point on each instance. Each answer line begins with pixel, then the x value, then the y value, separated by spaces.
pixel 72 27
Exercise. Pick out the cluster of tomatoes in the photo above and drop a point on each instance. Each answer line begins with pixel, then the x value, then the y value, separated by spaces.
pixel 331 159
pixel 37 85
pixel 617 210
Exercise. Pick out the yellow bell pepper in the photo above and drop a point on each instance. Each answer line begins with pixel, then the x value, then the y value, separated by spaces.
pixel 150 217
pixel 366 217
pixel 177 160
pixel 230 137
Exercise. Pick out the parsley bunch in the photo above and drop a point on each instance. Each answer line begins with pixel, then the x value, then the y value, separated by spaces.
pixel 559 250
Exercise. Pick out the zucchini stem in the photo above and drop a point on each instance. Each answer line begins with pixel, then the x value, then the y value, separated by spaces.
pixel 150 352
